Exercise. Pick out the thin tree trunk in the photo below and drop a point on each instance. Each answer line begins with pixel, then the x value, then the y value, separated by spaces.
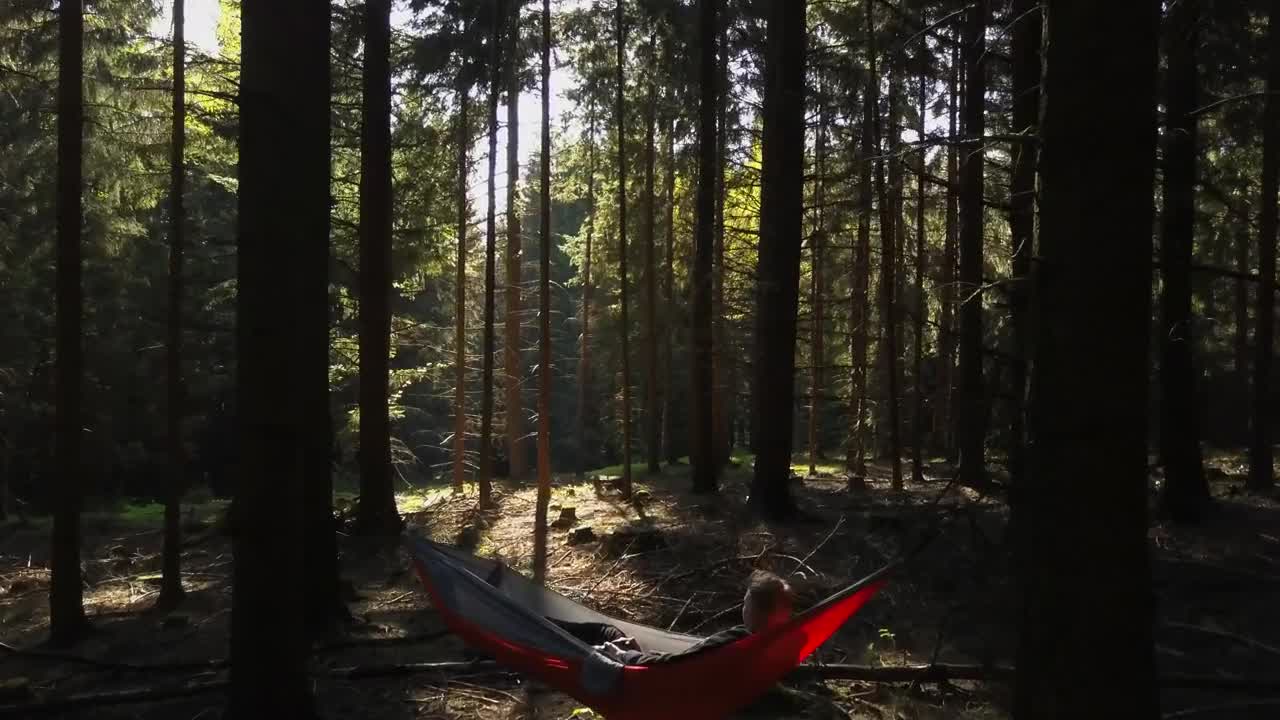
pixel 778 269
pixel 726 366
pixel 921 308
pixel 653 428
pixel 460 305
pixel 376 514
pixel 943 430
pixel 67 623
pixel 584 359
pixel 485 469
pixel 860 300
pixel 1026 40
pixel 703 452
pixel 514 379
pixel 971 427
pixel 1241 311
pixel 544 315
pixel 1261 462
pixel 670 448
pixel 171 593
pixel 1185 494
pixel 620 41
pixel 817 352
pixel 1087 509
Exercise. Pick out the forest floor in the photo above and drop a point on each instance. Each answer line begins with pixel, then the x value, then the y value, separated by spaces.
pixel 668 558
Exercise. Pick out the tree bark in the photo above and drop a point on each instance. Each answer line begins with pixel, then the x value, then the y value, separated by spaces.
pixel 1240 306
pixel 67 623
pixel 544 315
pixel 376 513
pixel 171 593
pixel 1261 462
pixel 817 353
pixel 485 469
pixel 944 426
pixel 514 377
pixel 1185 494
pixel 620 39
pixel 702 454
pixel 1086 520
pixel 778 269
pixel 971 425
pixel 584 358
pixel 460 304
pixel 888 284
pixel 652 414
pixel 921 307
pixel 860 300
pixel 670 448
pixel 726 366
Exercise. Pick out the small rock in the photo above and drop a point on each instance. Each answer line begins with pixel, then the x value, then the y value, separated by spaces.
pixel 568 518
pixel 582 535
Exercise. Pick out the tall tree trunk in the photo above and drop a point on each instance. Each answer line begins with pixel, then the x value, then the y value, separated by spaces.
pixel 282 195
pixel 670 449
pixel 620 40
pixel 1026 40
pixel 514 379
pixel 778 270
pixel 921 307
pixel 1185 494
pixel 703 452
pixel 544 315
pixel 971 425
pixel 584 358
pixel 817 352
pixel 324 605
pixel 171 564
pixel 653 426
pixel 485 469
pixel 67 623
pixel 1087 510
pixel 460 304
pixel 1261 463
pixel 944 427
pixel 860 300
pixel 1240 306
pixel 726 366
pixel 376 514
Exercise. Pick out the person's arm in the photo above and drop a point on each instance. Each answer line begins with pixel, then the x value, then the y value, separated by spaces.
pixel 724 637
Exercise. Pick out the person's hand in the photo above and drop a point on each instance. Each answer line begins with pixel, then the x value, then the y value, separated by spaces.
pixel 626 643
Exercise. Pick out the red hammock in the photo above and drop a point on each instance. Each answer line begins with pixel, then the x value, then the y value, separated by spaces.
pixel 498 612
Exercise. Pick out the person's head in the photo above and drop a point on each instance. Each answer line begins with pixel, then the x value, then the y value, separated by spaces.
pixel 767 602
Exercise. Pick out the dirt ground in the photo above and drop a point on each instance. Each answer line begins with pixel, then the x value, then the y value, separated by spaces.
pixel 668 558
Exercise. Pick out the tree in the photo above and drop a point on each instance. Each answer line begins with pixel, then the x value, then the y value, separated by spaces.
pixel 860 299
pixel 970 428
pixel 544 314
pixel 1185 493
pixel 944 427
pixel 620 45
pixel 514 257
pixel 584 356
pixel 778 267
pixel 1086 521
pixel 890 219
pixel 283 92
pixel 669 446
pixel 1261 462
pixel 653 428
pixel 702 453
pixel 817 351
pixel 376 514
pixel 485 470
pixel 921 308
pixel 67 623
pixel 460 302
pixel 171 564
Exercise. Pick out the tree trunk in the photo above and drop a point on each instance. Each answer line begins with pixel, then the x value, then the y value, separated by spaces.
pixel 514 378
pixel 376 513
pixel 944 427
pixel 584 359
pixel 1240 310
pixel 702 454
pixel 670 448
pixel 485 469
pixel 778 269
pixel 817 353
pixel 1026 40
pixel 1087 510
pixel 1185 494
pixel 460 305
pixel 653 426
pixel 1261 463
pixel 544 315
pixel 971 425
pixel 67 623
pixel 726 366
pixel 620 44
pixel 171 593
pixel 281 195
pixel 921 307
pixel 860 300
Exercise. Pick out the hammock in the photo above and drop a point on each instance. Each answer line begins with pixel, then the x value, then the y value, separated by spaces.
pixel 503 614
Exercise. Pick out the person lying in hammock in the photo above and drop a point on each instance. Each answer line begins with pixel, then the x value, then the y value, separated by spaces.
pixel 767 603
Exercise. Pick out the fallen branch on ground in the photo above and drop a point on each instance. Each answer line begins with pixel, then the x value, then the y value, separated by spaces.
pixel 121 697
pixel 1228 707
